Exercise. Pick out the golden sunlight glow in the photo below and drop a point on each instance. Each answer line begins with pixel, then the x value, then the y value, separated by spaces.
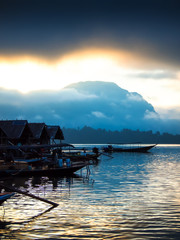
pixel 25 74
pixel 28 74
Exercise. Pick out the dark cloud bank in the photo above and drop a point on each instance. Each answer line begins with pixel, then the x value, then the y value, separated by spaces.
pixel 95 104
pixel 50 28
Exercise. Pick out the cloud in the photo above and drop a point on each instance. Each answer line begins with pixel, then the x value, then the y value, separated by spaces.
pixel 155 74
pixel 134 97
pixel 150 115
pixel 69 94
pixel 56 27
pixel 41 97
pixel 99 114
pixel 173 113
pixel 56 115
pixel 94 104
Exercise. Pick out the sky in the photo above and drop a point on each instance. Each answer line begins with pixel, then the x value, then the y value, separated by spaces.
pixel 47 45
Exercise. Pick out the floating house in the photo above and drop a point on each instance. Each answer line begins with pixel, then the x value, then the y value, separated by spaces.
pixel 3 137
pixel 55 133
pixel 15 132
pixel 20 132
pixel 40 134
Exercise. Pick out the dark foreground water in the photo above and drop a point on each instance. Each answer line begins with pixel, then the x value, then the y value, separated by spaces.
pixel 127 196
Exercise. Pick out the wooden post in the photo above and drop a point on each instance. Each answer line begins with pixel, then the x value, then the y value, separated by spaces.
pixel 29 195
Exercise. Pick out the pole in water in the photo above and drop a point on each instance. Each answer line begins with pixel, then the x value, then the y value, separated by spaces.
pixel 29 195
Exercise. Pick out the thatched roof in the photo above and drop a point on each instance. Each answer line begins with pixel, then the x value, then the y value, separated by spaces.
pixel 55 132
pixel 37 129
pixel 13 128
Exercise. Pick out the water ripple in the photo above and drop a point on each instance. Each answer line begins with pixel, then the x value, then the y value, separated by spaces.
pixel 133 196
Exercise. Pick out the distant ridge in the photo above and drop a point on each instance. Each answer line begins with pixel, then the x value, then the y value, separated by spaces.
pixel 88 135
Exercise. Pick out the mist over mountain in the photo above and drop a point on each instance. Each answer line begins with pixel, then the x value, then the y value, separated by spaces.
pixel 95 104
pixel 112 107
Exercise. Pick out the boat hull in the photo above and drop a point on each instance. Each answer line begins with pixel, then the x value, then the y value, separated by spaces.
pixel 4 196
pixel 132 149
pixel 60 171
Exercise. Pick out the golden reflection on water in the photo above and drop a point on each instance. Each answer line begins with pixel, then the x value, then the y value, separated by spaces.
pixel 140 200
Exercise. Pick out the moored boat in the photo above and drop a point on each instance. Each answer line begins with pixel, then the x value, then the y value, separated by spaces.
pixel 31 161
pixel 5 195
pixel 39 160
pixel 141 149
pixel 41 170
pixel 88 157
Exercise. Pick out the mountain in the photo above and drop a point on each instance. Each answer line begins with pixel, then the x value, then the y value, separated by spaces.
pixel 95 104
pixel 111 107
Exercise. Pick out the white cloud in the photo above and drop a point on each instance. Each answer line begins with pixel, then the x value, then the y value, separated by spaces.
pixel 57 116
pixel 73 94
pixel 155 74
pixel 134 97
pixel 150 115
pixel 99 114
pixel 169 113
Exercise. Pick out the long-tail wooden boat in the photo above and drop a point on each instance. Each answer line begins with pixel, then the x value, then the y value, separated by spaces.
pixel 141 149
pixel 5 195
pixel 32 161
pixel 41 170
pixel 81 156
pixel 41 165
pixel 34 146
pixel 28 153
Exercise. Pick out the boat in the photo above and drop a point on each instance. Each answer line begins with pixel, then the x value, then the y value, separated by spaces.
pixel 44 162
pixel 17 170
pixel 141 149
pixel 31 161
pixel 5 195
pixel 28 153
pixel 34 146
pixel 88 157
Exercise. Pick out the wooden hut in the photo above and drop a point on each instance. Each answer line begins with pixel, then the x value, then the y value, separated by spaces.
pixel 40 134
pixel 55 133
pixel 3 137
pixel 15 132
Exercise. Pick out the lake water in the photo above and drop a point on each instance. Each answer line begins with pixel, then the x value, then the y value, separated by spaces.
pixel 126 196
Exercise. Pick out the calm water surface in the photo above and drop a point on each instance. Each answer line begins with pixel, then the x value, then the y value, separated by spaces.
pixel 126 196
